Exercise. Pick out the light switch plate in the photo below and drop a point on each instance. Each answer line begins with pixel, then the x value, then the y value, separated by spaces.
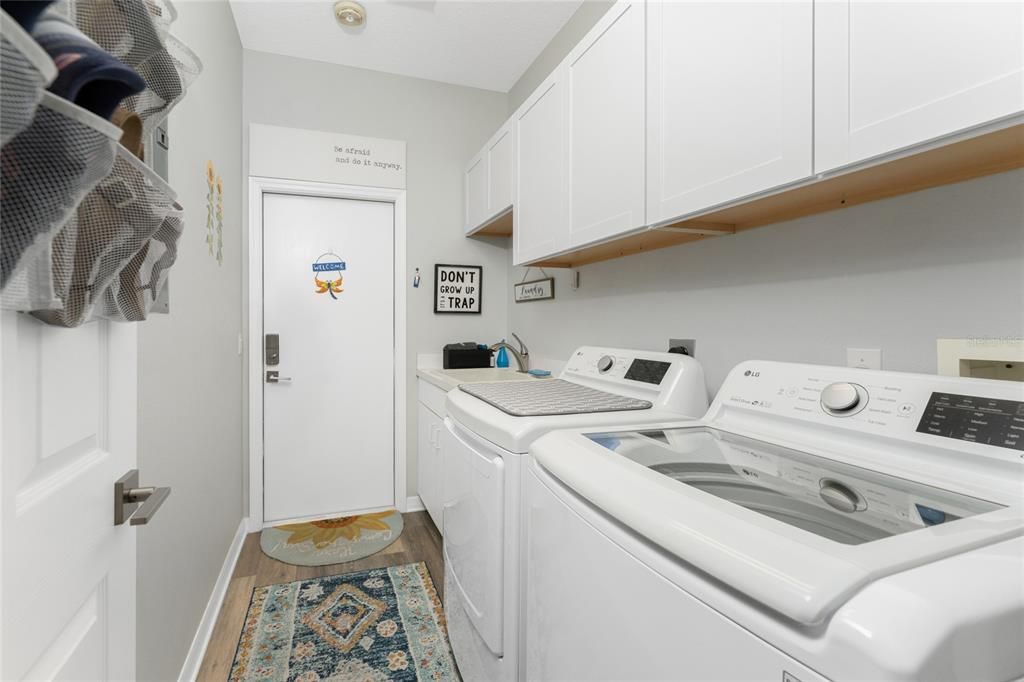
pixel 864 358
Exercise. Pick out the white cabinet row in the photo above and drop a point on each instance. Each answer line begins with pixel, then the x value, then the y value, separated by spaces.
pixel 669 109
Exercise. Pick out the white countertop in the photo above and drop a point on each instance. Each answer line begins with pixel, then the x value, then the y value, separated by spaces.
pixel 448 379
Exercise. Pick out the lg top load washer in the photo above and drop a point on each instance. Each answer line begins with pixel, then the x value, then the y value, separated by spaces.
pixel 817 523
pixel 488 432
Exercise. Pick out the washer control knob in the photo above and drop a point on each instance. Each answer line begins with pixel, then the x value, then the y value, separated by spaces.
pixel 605 363
pixel 840 496
pixel 840 397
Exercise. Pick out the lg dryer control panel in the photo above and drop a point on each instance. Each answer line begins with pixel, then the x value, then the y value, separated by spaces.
pixel 666 379
pixel 933 410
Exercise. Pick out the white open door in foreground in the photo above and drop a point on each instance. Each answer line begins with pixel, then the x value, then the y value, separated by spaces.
pixel 67 591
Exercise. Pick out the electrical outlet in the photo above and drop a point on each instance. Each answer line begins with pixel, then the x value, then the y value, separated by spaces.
pixel 689 344
pixel 864 358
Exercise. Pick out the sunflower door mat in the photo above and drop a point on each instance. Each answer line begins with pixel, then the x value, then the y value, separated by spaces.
pixel 380 624
pixel 331 541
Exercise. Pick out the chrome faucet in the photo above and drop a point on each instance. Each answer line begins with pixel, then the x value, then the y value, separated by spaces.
pixel 522 354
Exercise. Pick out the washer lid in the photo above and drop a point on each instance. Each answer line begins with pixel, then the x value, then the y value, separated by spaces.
pixel 841 502
pixel 797 532
pixel 515 434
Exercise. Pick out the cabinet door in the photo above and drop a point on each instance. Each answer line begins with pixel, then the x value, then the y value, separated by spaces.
pixel 540 175
pixel 429 462
pixel 476 191
pixel 499 163
pixel 729 102
pixel 889 75
pixel 605 99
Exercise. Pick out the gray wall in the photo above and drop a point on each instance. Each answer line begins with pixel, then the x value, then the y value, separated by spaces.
pixel 190 409
pixel 895 274
pixel 582 20
pixel 443 126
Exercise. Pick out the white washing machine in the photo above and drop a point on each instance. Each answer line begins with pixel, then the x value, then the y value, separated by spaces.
pixel 817 523
pixel 489 430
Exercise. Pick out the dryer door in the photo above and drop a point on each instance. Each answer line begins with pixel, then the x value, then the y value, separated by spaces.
pixel 474 503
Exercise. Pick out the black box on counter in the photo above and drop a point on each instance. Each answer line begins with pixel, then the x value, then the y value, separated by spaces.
pixel 466 355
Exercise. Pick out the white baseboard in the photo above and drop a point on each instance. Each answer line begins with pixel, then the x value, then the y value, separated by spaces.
pixel 413 503
pixel 194 659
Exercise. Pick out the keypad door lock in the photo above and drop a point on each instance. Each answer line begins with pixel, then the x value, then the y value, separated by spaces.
pixel 272 350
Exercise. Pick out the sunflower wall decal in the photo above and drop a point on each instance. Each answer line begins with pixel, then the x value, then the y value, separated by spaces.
pixel 214 213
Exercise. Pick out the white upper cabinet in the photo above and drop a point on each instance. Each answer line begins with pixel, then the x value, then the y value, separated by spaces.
pixel 489 180
pixel 889 75
pixel 541 179
pixel 499 161
pixel 605 97
pixel 729 101
pixel 476 192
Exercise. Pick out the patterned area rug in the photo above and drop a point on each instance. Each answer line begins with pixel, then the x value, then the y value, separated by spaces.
pixel 331 541
pixel 381 624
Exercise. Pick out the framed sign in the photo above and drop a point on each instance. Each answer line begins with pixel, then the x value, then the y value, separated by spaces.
pixel 537 290
pixel 458 288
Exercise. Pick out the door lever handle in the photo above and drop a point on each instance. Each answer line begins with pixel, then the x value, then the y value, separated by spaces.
pixel 128 493
pixel 274 377
pixel 151 499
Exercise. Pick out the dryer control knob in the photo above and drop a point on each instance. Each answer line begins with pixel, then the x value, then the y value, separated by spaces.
pixel 605 363
pixel 839 398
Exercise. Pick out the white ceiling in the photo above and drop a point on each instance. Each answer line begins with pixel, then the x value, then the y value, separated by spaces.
pixel 483 43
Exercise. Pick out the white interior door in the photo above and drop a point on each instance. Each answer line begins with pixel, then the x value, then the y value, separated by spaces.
pixel 69 432
pixel 329 423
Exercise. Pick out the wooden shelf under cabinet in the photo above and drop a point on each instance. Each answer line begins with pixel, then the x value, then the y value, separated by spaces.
pixel 500 226
pixel 985 154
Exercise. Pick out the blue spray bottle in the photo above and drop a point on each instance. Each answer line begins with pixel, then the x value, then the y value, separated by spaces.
pixel 502 359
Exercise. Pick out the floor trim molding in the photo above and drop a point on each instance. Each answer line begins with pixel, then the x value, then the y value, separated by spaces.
pixel 414 504
pixel 196 652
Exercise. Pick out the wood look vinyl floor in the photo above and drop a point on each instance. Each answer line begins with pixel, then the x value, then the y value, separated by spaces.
pixel 420 541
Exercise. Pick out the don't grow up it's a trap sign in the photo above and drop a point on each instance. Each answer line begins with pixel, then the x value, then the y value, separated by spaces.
pixel 458 288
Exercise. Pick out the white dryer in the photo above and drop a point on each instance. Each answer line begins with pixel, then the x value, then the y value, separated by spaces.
pixel 817 523
pixel 488 432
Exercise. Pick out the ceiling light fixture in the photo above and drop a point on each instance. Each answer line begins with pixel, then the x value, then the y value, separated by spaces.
pixel 349 13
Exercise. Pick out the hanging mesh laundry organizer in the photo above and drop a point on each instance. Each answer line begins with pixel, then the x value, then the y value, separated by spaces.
pixel 87 230
pixel 112 225
pixel 137 33
pixel 47 170
pixel 26 72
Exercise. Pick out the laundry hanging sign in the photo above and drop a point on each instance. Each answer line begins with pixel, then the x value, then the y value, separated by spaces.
pixel 328 277
pixel 299 154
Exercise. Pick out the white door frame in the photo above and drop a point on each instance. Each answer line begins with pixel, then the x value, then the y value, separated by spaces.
pixel 258 186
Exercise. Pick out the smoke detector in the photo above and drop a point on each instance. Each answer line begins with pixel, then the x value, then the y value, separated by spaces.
pixel 349 13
